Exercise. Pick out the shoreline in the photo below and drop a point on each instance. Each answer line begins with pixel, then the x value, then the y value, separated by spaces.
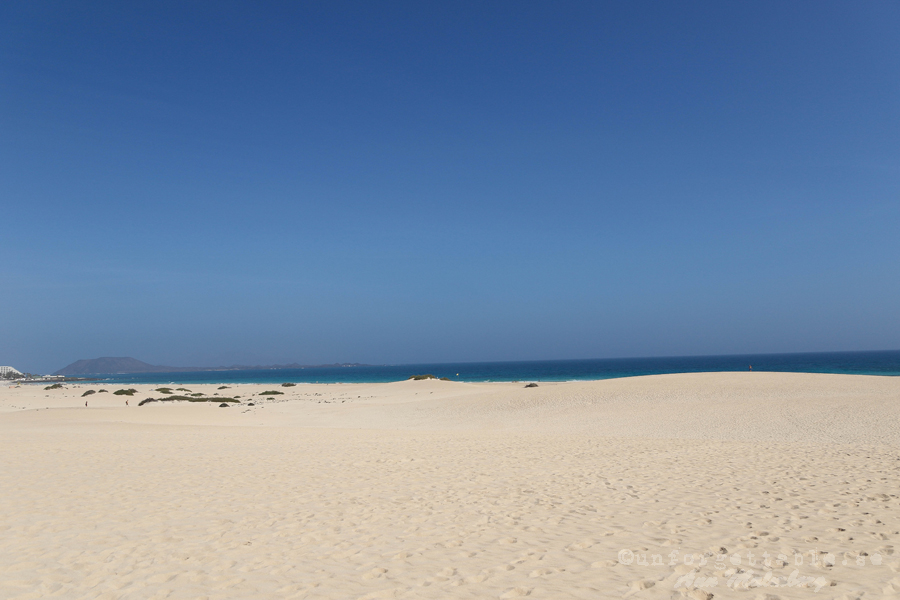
pixel 114 382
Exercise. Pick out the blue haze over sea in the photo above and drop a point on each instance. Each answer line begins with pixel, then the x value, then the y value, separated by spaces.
pixel 858 363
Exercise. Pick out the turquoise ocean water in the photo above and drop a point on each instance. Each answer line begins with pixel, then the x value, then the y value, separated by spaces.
pixel 861 363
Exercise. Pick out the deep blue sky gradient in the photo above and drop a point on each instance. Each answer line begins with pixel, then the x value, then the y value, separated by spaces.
pixel 220 183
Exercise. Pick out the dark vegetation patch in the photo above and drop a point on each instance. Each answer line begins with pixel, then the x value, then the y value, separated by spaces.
pixel 88 393
pixel 186 399
pixel 128 392
pixel 102 391
pixel 445 379
pixel 197 394
pixel 55 386
pixel 223 405
pixel 421 377
pixel 222 387
pixel 182 390
pixel 532 384
pixel 164 390
pixel 271 393
pixel 288 384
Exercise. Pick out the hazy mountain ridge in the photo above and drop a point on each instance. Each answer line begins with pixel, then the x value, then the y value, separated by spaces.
pixel 109 365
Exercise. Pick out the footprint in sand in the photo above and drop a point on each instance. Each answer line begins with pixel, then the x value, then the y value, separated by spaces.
pixel 516 592
pixel 639 586
pixel 604 563
pixel 375 573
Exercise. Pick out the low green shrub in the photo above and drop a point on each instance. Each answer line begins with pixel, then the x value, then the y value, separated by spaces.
pixel 421 377
pixel 88 393
pixel 164 390
pixel 55 386
pixel 128 392
pixel 288 384
pixel 192 399
pixel 187 399
pixel 271 393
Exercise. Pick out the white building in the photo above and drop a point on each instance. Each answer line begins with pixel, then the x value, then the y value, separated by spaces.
pixel 7 371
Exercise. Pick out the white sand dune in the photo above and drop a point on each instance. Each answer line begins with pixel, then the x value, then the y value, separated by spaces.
pixel 447 490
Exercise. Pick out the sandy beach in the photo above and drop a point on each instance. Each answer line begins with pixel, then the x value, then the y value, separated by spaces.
pixel 730 485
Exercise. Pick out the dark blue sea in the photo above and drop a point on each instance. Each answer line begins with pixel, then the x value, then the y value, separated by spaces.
pixel 859 363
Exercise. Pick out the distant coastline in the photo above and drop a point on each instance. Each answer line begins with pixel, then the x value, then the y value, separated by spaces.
pixel 125 365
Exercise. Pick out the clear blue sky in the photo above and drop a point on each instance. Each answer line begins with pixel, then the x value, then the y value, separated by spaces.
pixel 219 183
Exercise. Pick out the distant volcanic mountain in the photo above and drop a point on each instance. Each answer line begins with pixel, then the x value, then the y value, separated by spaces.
pixel 109 365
